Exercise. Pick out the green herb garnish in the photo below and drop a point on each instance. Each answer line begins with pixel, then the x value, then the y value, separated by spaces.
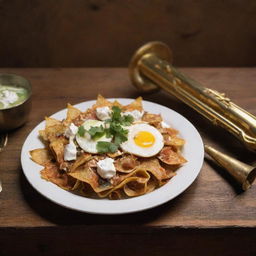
pixel 106 147
pixel 96 132
pixel 118 132
pixel 116 117
pixel 81 131
pixel 127 120
pixel 116 114
pixel 115 130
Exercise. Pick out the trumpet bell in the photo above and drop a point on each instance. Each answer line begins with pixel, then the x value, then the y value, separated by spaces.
pixel 243 173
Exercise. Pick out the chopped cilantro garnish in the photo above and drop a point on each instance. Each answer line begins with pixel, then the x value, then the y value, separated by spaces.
pixel 106 147
pixel 96 132
pixel 116 116
pixel 118 132
pixel 127 120
pixel 120 138
pixel 115 130
pixel 81 131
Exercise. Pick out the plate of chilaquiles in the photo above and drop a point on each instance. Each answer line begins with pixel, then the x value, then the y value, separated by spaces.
pixel 112 156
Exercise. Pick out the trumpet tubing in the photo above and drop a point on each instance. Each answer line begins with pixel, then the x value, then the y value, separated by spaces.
pixel 151 69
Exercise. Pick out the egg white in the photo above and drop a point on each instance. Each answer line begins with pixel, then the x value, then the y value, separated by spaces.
pixel 131 147
pixel 85 142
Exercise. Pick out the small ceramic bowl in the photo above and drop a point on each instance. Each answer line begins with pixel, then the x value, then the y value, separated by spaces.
pixel 14 117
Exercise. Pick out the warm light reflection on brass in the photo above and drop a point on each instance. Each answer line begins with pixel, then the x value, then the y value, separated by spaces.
pixel 151 69
pixel 243 173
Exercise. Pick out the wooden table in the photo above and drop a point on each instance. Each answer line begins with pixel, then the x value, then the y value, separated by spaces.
pixel 212 217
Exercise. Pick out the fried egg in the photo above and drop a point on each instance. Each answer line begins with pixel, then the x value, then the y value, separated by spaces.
pixel 86 142
pixel 143 140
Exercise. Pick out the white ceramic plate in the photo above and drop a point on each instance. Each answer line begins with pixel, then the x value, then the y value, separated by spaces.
pixel 193 151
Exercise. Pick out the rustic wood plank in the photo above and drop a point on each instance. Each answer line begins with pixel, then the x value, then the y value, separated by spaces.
pixel 210 202
pixel 103 33
pixel 137 241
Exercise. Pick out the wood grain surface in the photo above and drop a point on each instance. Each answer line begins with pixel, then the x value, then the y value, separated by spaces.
pixel 211 208
pixel 104 33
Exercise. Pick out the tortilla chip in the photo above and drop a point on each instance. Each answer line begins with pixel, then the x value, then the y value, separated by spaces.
pixel 170 170
pixel 53 129
pixel 116 154
pixel 126 164
pixel 43 135
pixel 169 131
pixel 87 190
pixel 41 156
pixel 89 114
pixel 135 105
pixel 169 156
pixel 134 188
pixel 115 195
pixel 173 141
pixel 101 102
pixel 49 121
pixel 53 132
pixel 140 176
pixel 138 186
pixel 52 173
pixel 153 166
pixel 152 185
pixel 118 104
pixel 82 159
pixel 72 113
pixel 57 146
pixel 153 119
pixel 86 174
pixel 118 178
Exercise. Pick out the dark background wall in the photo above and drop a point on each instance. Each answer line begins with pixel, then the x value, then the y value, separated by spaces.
pixel 74 33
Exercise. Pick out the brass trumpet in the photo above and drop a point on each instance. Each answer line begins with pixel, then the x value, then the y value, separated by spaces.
pixel 241 172
pixel 150 69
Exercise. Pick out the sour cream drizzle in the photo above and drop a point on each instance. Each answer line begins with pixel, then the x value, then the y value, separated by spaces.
pixel 11 96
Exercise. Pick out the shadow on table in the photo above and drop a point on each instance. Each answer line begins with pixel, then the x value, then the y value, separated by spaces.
pixel 60 215
pixel 226 176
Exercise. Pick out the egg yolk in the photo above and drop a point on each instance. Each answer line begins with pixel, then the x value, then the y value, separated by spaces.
pixel 144 139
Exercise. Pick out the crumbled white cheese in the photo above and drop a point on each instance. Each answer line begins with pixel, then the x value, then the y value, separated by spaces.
pixel 71 131
pixel 106 168
pixel 70 150
pixel 136 114
pixel 165 125
pixel 8 97
pixel 103 113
